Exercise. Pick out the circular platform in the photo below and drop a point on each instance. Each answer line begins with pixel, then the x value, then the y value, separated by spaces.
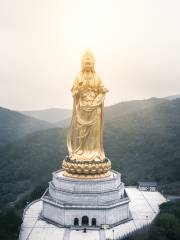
pixel 94 185
pixel 86 192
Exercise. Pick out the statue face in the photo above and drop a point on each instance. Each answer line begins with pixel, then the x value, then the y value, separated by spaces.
pixel 88 65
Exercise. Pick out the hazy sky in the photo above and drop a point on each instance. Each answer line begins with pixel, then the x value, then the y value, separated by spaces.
pixel 136 44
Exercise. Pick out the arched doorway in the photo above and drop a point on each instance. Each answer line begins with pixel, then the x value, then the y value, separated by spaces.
pixel 93 223
pixel 76 222
pixel 85 221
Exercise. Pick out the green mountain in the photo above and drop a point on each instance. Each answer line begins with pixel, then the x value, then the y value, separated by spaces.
pixel 142 143
pixel 124 108
pixel 29 162
pixel 14 125
pixel 121 109
pixel 61 117
pixel 172 97
pixel 51 115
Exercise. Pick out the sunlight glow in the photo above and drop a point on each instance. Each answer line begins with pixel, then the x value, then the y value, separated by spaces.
pixel 135 43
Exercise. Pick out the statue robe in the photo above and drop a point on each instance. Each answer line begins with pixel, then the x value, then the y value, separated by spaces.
pixel 85 135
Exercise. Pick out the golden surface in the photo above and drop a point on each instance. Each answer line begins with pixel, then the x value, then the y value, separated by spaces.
pixel 86 168
pixel 95 176
pixel 85 135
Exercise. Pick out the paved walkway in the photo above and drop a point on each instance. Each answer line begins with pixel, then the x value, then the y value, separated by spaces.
pixel 102 235
pixel 66 234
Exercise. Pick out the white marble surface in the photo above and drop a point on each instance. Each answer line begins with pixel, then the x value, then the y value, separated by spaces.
pixel 87 198
pixel 70 198
pixel 86 185
pixel 143 207
pixel 35 229
pixel 79 235
pixel 65 216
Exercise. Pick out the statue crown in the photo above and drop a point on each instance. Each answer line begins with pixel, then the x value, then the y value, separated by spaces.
pixel 88 55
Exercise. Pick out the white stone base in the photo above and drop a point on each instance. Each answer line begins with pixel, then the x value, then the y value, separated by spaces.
pixel 88 203
pixel 65 216
pixel 144 207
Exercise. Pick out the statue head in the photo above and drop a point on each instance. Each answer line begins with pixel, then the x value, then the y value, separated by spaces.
pixel 87 62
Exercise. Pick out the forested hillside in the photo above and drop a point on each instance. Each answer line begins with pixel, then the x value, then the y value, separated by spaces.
pixel 51 115
pixel 123 108
pixel 29 162
pixel 145 143
pixel 142 144
pixel 14 125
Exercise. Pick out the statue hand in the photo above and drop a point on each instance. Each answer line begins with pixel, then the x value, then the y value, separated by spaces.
pixel 98 100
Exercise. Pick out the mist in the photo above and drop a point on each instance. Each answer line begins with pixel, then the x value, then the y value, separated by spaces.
pixel 136 45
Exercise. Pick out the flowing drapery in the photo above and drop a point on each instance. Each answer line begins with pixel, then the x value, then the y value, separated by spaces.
pixel 85 135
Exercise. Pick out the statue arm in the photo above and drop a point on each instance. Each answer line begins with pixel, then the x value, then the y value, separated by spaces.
pixel 102 88
pixel 102 91
pixel 75 89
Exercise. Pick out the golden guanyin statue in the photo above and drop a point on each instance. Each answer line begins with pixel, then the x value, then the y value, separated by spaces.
pixel 85 135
